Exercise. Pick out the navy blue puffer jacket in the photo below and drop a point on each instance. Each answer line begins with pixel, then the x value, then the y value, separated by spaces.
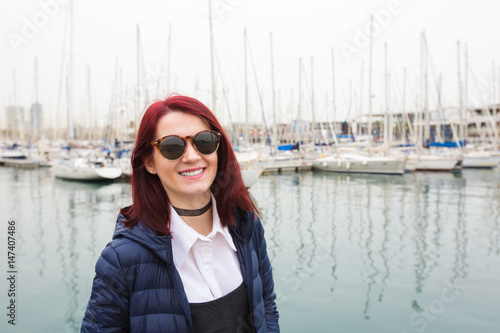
pixel 138 289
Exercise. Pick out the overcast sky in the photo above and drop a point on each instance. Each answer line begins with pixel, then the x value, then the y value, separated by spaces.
pixel 105 39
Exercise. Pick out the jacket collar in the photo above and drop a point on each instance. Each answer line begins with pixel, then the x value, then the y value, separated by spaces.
pixel 142 234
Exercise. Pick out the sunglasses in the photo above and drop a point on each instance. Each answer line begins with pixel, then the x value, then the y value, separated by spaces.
pixel 172 147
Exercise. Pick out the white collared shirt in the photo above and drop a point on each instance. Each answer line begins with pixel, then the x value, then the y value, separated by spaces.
pixel 208 265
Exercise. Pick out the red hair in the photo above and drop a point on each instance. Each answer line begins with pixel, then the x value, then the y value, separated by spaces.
pixel 150 201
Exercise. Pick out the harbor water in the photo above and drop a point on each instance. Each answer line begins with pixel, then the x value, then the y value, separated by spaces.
pixel 350 253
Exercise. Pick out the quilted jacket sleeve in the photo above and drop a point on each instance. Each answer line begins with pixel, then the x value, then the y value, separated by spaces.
pixel 266 273
pixel 108 308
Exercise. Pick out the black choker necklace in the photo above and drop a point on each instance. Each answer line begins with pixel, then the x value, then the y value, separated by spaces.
pixel 193 212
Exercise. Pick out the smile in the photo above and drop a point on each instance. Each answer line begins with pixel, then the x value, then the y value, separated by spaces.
pixel 192 173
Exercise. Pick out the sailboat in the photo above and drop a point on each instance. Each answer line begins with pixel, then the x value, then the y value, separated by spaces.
pixel 86 170
pixel 15 157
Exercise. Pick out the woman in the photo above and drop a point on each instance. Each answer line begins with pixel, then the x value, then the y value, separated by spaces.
pixel 189 255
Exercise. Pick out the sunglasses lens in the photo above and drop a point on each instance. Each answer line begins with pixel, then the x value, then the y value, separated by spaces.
pixel 206 142
pixel 172 147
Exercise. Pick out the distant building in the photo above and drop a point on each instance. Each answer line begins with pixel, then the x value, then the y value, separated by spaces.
pixel 36 117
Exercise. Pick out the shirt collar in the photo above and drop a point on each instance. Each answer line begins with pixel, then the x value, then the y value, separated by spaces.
pixel 184 237
pixel 217 226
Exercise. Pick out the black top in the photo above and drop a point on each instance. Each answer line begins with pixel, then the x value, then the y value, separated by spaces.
pixel 229 313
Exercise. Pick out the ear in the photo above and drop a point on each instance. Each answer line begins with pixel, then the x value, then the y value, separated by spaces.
pixel 149 164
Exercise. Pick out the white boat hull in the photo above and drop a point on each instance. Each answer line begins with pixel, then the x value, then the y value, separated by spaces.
pixel 436 165
pixel 479 160
pixel 250 175
pixel 433 162
pixel 292 165
pixel 19 163
pixel 376 165
pixel 86 174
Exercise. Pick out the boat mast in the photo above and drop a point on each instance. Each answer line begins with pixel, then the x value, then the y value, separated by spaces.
pixel 334 129
pixel 419 111
pixel 275 123
pixel 403 108
pixel 68 106
pixel 138 91
pixel 493 105
pixel 312 89
pixel 247 116
pixel 427 134
pixel 455 135
pixel 168 57
pixel 70 74
pixel 290 133
pixel 122 109
pixel 440 110
pixel 298 125
pixel 37 108
pixel 466 101
pixel 212 55
pixel 91 117
pixel 333 124
pixel 460 103
pixel 349 109
pixel 405 113
pixel 370 87
pixel 494 109
pixel 360 108
pixel 313 127
pixel 387 124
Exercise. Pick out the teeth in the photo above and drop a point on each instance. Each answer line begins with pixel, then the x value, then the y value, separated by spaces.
pixel 191 173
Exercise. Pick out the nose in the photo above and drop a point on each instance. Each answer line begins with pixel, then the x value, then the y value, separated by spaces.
pixel 191 154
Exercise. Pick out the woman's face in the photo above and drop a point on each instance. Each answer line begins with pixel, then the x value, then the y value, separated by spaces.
pixel 186 180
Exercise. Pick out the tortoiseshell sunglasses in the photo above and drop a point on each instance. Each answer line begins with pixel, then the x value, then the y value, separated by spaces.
pixel 172 147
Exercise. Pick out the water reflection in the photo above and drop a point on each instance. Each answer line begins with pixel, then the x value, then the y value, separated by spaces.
pixel 403 235
pixel 62 228
pixel 331 200
pixel 494 238
pixel 36 183
pixel 77 224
